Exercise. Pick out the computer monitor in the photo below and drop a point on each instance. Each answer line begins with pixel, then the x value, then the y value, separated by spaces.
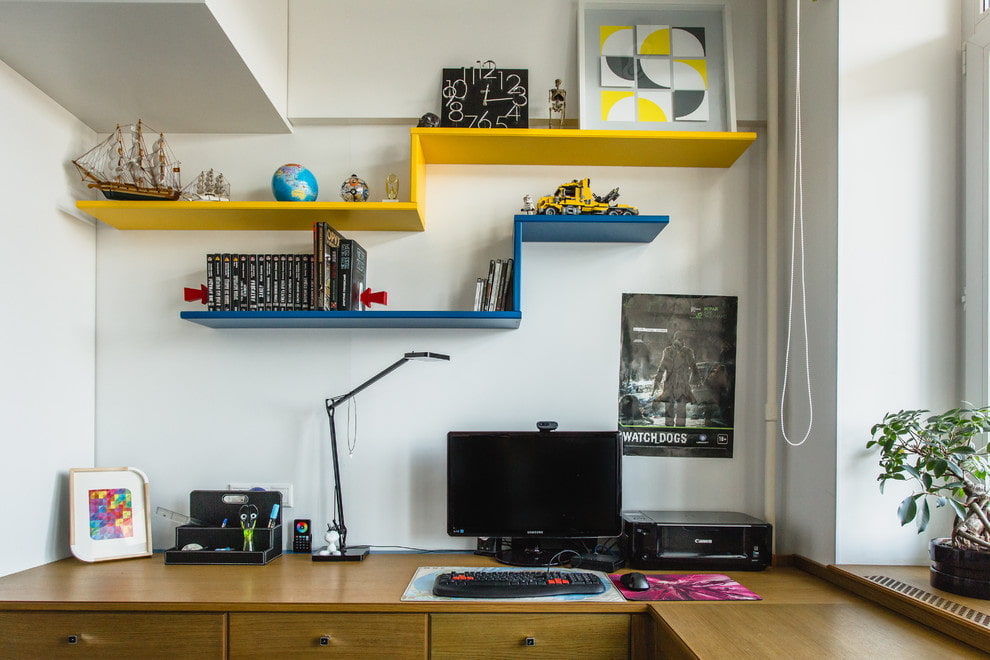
pixel 534 489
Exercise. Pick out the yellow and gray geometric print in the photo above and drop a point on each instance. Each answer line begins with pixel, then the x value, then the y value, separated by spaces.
pixel 653 73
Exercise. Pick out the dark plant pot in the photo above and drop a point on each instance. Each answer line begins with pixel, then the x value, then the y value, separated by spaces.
pixel 963 572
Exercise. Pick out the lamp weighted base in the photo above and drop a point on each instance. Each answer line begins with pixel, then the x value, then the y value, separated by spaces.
pixel 348 554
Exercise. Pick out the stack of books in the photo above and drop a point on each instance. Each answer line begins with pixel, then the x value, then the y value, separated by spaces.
pixel 340 271
pixel 259 282
pixel 494 293
pixel 330 279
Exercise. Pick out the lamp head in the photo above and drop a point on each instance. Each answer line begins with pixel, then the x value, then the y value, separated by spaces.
pixel 426 356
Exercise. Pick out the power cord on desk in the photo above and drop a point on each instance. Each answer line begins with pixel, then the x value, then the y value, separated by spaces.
pixel 422 551
pixel 555 560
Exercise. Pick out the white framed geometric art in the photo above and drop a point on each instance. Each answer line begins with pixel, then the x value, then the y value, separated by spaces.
pixel 655 67
pixel 109 513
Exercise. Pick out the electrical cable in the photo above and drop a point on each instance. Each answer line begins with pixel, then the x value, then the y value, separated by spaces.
pixel 412 550
pixel 556 561
pixel 797 236
pixel 351 429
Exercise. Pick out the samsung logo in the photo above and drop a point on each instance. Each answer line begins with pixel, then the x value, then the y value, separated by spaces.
pixel 702 540
pixel 534 531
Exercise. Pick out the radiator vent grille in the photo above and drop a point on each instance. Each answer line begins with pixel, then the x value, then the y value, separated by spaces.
pixel 934 600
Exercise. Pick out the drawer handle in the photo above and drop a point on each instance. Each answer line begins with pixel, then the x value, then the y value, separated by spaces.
pixel 325 640
pixel 73 639
pixel 530 641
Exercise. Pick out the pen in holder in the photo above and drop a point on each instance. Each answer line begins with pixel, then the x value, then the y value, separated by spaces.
pixel 249 516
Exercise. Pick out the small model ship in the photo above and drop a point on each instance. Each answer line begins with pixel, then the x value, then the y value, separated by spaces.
pixel 122 167
pixel 208 187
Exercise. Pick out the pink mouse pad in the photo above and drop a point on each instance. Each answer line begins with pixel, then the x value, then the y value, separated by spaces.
pixel 706 586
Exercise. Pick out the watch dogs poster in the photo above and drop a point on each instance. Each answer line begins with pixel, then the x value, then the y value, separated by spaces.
pixel 677 375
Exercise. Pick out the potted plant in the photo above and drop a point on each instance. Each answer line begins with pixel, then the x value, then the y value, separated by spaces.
pixel 946 456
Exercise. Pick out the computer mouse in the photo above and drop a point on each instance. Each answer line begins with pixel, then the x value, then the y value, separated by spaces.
pixel 635 582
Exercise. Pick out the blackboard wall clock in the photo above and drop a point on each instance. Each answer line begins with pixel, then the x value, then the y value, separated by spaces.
pixel 484 97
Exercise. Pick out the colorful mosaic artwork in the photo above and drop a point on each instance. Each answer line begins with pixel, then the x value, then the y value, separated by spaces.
pixel 111 514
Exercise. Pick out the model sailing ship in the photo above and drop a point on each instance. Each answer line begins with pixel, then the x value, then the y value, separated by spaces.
pixel 208 187
pixel 123 168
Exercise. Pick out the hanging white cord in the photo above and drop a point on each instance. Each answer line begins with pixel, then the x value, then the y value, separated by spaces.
pixel 351 428
pixel 797 235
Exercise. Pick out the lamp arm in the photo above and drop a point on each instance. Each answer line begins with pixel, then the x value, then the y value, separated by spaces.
pixel 333 402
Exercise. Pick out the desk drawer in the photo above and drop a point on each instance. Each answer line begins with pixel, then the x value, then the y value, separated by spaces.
pixel 283 634
pixel 536 635
pixel 110 634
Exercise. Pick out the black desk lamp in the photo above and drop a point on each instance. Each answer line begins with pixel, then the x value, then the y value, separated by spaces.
pixel 343 554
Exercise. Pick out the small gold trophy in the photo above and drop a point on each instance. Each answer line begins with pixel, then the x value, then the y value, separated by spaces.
pixel 391 188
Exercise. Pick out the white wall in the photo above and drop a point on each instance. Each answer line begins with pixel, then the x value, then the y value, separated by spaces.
pixel 383 60
pixel 807 472
pixel 899 247
pixel 881 157
pixel 48 351
pixel 198 408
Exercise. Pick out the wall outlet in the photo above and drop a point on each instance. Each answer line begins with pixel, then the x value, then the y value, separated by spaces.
pixel 285 489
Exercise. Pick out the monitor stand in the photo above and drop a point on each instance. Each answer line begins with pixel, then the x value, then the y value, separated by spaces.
pixel 530 551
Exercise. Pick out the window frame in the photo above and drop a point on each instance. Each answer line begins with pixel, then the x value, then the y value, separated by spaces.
pixel 976 138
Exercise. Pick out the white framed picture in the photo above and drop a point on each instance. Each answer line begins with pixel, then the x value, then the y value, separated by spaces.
pixel 109 513
pixel 655 67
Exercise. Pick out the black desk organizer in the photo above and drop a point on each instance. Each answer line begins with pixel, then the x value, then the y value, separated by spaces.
pixel 212 507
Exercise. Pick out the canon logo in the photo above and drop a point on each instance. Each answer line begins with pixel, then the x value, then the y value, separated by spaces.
pixel 702 540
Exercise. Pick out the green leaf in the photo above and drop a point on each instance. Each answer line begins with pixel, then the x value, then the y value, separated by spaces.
pixel 939 466
pixel 924 517
pixel 912 471
pixel 955 469
pixel 959 509
pixel 907 510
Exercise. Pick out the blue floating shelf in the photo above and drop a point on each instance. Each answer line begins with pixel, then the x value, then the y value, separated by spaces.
pixel 527 229
pixel 376 319
pixel 589 228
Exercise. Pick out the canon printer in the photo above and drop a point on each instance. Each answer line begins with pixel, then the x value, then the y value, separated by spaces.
pixel 702 540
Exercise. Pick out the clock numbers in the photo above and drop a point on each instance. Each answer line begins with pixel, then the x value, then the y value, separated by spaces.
pixel 454 92
pixel 484 96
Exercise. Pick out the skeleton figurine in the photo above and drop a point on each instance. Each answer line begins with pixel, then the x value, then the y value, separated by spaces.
pixel 558 104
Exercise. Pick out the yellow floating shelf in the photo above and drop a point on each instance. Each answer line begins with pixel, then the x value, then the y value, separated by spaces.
pixel 459 146
pixel 529 146
pixel 257 216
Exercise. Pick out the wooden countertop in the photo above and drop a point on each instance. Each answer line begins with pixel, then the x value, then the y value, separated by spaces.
pixel 295 583
pixel 800 614
pixel 856 629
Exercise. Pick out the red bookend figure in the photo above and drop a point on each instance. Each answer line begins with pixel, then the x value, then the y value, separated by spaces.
pixel 192 295
pixel 377 297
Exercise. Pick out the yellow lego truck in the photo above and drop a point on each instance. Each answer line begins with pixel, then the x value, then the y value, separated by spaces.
pixel 576 198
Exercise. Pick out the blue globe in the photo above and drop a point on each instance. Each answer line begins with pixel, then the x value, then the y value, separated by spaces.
pixel 294 183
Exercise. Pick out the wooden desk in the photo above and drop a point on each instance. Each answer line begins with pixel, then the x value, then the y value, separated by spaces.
pixel 798 630
pixel 141 607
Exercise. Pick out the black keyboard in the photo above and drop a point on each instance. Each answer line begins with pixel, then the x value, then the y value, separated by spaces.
pixel 515 584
